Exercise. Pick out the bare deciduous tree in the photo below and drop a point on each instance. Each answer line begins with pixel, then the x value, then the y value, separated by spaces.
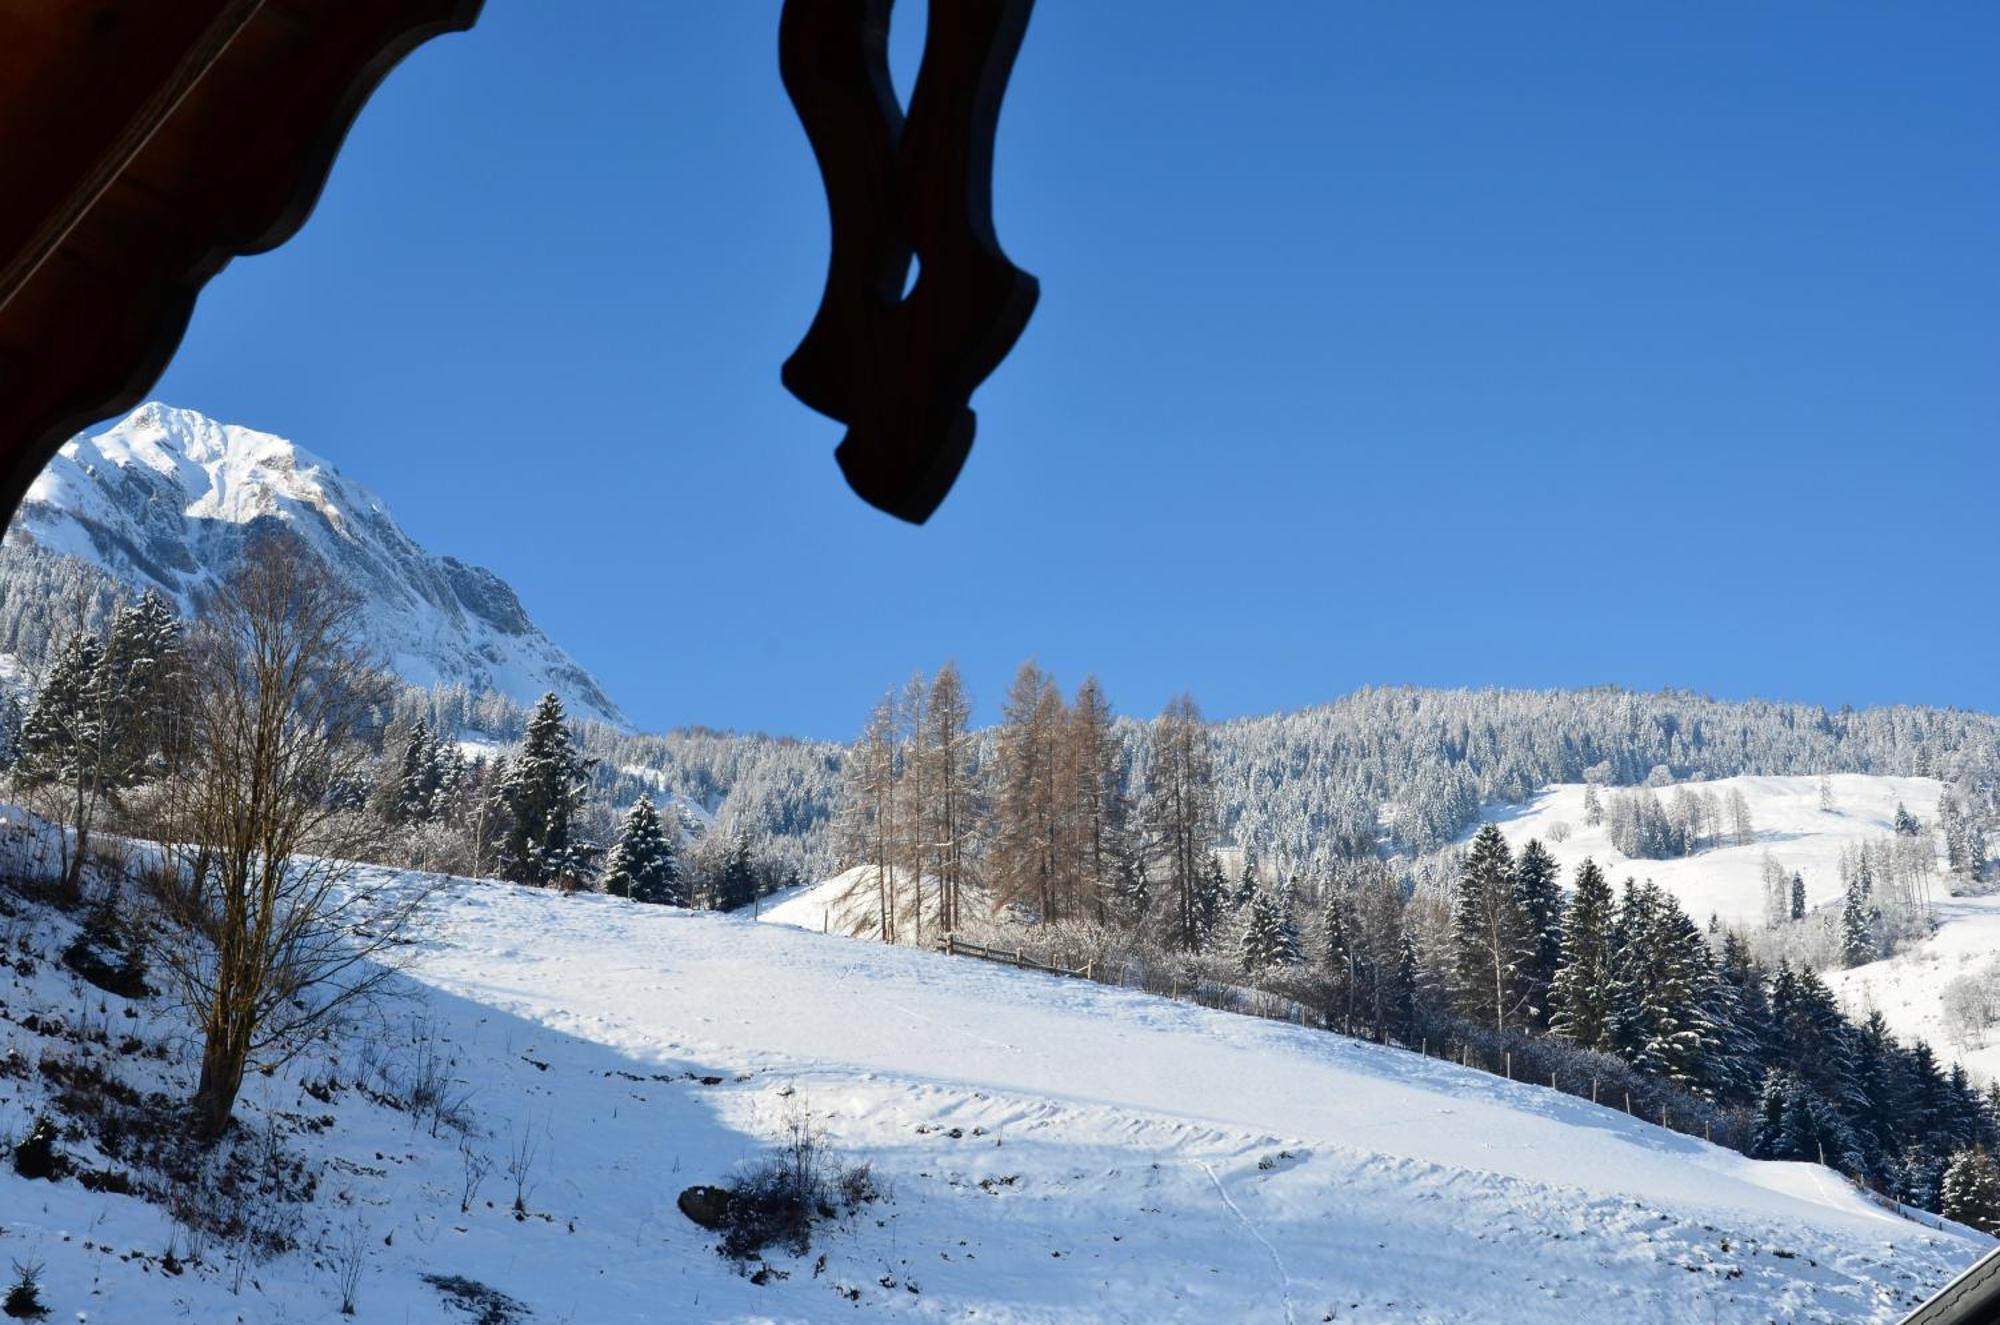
pixel 276 936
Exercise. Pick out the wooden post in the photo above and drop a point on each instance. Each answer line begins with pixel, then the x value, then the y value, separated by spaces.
pixel 1705 1132
pixel 1552 1079
pixel 1426 1049
pixel 1628 1101
pixel 1017 957
pixel 1593 1090
pixel 950 950
pixel 1509 1055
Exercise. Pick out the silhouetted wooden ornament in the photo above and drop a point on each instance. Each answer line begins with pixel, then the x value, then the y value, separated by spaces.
pixel 899 370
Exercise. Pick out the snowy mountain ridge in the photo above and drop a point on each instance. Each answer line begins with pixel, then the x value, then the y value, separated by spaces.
pixel 168 498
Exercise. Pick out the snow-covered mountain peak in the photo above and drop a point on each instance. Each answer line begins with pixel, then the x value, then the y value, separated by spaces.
pixel 166 498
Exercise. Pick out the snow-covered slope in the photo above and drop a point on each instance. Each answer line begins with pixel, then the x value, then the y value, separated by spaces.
pixel 167 497
pixel 1726 881
pixel 1910 989
pixel 1052 1151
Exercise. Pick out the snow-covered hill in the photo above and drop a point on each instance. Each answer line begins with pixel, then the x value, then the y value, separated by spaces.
pixel 1050 1151
pixel 1727 881
pixel 166 499
pixel 1911 988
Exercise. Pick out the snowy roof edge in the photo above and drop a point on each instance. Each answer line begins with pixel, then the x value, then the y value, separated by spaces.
pixel 1971 1299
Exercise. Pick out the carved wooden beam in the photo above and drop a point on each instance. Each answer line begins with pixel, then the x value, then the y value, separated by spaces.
pixel 142 146
pixel 900 369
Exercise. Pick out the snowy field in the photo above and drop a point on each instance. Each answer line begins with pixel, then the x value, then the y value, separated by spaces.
pixel 1052 1151
pixel 1727 881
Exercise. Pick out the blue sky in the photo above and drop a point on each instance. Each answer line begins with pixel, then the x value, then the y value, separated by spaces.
pixel 1445 343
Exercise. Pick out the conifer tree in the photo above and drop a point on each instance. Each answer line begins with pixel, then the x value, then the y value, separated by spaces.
pixel 1267 940
pixel 1857 937
pixel 544 793
pixel 739 876
pixel 1970 1190
pixel 1798 895
pixel 1581 996
pixel 643 864
pixel 1535 875
pixel 1246 885
pixel 1211 899
pixel 1180 818
pixel 1489 932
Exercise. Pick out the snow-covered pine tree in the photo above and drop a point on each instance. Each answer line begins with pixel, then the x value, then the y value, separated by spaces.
pixel 1535 875
pixel 1135 896
pixel 1490 939
pixel 1267 940
pixel 1593 808
pixel 1581 995
pixel 739 876
pixel 1246 885
pixel 1798 895
pixel 1857 933
pixel 1970 1190
pixel 1906 823
pixel 544 792
pixel 644 864
pixel 1211 900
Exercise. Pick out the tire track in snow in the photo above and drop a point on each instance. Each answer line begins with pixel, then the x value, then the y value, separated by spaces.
pixel 1277 1263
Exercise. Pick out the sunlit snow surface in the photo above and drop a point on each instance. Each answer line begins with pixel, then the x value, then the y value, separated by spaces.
pixel 1727 881
pixel 1053 1151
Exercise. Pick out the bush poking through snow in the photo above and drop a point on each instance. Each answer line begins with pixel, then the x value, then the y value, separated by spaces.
pixel 36 1156
pixel 24 1299
pixel 778 1198
pixel 486 1306
pixel 349 1259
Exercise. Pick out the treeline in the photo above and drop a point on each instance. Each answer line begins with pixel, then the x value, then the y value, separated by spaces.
pixel 1042 818
pixel 1098 842
pixel 95 744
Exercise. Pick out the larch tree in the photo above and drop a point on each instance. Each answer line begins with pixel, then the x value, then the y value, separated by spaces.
pixel 1027 795
pixel 951 810
pixel 869 819
pixel 1098 812
pixel 1180 815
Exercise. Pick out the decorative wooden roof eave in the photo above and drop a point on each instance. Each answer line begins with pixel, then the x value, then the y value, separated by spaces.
pixel 234 169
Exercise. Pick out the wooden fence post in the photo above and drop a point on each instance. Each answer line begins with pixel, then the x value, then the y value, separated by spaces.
pixel 1593 1090
pixel 1628 1101
pixel 1017 958
pixel 1509 1054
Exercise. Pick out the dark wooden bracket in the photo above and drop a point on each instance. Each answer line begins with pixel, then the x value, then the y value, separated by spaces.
pixel 900 369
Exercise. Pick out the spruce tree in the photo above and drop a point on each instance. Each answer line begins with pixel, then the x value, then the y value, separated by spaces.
pixel 1490 941
pixel 1581 996
pixel 1267 939
pixel 643 863
pixel 1970 1190
pixel 1246 885
pixel 738 887
pixel 544 792
pixel 1535 875
pixel 1798 895
pixel 1857 936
